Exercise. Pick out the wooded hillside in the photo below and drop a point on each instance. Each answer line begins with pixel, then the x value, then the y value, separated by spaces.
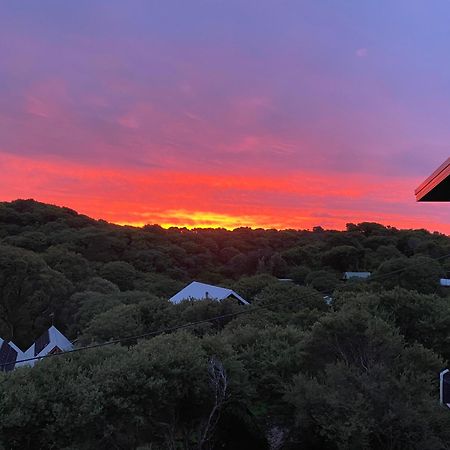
pixel 356 370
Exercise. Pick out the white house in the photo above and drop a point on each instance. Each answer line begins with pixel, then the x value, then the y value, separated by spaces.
pixel 363 275
pixel 51 341
pixel 201 291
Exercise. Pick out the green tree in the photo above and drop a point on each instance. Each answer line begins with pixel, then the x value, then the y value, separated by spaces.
pixel 250 287
pixel 120 273
pixel 270 356
pixel 118 322
pixel 29 292
pixel 362 386
pixel 322 280
pixel 421 318
pixel 72 265
pixel 391 405
pixel 419 273
pixel 159 394
pixel 343 258
pixel 98 284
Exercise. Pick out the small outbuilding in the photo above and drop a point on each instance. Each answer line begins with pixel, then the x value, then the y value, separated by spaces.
pixel 202 291
pixel 361 275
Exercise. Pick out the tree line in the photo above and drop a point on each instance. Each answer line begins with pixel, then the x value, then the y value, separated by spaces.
pixel 357 371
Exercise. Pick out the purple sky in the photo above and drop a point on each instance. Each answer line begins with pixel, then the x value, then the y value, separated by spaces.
pixel 272 113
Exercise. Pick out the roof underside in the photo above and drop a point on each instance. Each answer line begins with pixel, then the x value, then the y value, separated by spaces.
pixel 436 188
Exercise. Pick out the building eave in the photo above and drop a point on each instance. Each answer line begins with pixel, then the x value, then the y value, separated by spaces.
pixel 436 188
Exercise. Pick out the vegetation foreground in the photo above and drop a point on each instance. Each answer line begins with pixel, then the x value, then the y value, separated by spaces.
pixel 355 370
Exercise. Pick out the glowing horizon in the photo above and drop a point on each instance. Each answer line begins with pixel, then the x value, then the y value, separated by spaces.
pixel 299 114
pixel 153 197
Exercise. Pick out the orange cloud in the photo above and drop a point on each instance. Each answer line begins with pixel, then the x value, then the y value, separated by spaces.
pixel 298 200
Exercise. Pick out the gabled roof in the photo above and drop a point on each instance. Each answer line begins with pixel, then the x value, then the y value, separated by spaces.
pixel 436 188
pixel 50 341
pixel 20 355
pixel 348 275
pixel 201 291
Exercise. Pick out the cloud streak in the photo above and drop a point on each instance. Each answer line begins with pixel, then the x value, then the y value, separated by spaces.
pixel 198 199
pixel 262 112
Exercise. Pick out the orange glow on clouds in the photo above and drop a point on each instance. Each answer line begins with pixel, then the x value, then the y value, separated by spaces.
pixel 299 200
pixel 201 219
pixel 177 113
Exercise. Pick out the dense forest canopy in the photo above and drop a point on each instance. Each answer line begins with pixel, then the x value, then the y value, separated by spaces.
pixel 319 363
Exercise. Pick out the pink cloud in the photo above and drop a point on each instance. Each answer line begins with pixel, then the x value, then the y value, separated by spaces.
pixel 153 111
pixel 302 200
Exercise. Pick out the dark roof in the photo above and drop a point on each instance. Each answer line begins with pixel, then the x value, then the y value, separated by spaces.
pixel 436 188
pixel 41 343
pixel 7 354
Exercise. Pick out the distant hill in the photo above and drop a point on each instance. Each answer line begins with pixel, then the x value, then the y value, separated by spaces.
pixel 314 360
pixel 80 252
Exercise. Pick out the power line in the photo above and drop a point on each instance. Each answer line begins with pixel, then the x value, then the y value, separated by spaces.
pixel 402 269
pixel 140 336
pixel 199 322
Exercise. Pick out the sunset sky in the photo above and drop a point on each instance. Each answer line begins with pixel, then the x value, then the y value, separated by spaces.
pixel 262 113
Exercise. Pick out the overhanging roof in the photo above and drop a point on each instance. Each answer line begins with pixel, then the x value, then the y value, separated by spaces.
pixel 436 188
